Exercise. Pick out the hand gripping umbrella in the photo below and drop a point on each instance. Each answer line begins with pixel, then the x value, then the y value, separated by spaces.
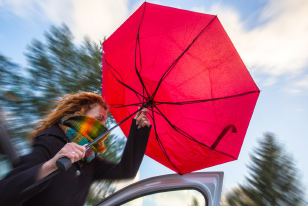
pixel 184 67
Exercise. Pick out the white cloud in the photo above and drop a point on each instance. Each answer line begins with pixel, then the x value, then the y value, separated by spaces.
pixel 303 83
pixel 269 81
pixel 275 47
pixel 22 8
pixel 293 90
pixel 95 18
pixel 298 86
pixel 99 18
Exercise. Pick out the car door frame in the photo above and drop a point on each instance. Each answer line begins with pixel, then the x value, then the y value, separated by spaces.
pixel 209 184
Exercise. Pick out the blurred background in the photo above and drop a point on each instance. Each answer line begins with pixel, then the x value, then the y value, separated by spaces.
pixel 49 48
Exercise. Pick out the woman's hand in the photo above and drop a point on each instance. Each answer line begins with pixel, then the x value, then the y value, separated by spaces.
pixel 72 151
pixel 141 118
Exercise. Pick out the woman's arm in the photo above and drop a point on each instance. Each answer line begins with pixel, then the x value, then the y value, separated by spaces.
pixel 38 164
pixel 131 159
pixel 72 151
pixel 25 174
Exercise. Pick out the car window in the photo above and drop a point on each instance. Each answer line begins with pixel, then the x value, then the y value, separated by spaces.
pixel 188 197
pixel 5 166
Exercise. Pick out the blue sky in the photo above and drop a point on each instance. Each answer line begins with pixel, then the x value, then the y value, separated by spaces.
pixel 270 36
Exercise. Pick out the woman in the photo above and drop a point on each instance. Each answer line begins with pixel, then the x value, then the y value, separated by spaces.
pixel 76 121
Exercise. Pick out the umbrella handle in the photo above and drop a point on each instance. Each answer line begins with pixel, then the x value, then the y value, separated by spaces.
pixel 63 164
pixel 223 133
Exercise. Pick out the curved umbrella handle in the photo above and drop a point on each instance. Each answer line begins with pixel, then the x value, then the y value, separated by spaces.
pixel 222 134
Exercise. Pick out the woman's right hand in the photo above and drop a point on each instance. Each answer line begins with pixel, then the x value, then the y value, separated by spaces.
pixel 72 151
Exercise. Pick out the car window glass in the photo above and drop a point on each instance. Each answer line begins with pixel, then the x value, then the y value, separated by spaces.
pixel 187 197
pixel 5 166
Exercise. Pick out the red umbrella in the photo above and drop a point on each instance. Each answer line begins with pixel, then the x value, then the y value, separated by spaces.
pixel 184 67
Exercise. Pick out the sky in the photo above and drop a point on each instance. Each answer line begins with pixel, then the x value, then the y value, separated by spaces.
pixel 270 36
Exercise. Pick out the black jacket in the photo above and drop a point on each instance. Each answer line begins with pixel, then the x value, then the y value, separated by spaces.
pixel 68 188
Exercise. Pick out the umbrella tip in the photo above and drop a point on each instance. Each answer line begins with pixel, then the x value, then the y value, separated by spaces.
pixel 148 103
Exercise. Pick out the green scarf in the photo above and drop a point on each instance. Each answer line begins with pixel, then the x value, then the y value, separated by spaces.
pixel 82 130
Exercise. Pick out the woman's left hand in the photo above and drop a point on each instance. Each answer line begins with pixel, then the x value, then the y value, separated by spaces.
pixel 141 118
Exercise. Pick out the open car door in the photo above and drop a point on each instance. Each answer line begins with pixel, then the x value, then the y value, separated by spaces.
pixel 200 188
pixel 6 146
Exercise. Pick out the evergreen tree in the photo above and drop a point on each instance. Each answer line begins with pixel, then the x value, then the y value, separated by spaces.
pixel 194 202
pixel 11 81
pixel 273 179
pixel 7 70
pixel 58 67
pixel 238 198
pixel 55 67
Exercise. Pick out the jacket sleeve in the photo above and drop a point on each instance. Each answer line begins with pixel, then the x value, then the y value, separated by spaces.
pixel 131 159
pixel 25 173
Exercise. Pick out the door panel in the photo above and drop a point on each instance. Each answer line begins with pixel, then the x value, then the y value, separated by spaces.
pixel 207 184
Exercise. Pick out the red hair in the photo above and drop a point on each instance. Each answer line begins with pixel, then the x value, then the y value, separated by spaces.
pixel 69 104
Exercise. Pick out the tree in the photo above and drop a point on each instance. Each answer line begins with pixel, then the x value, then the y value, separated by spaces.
pixel 60 67
pixel 237 198
pixel 273 179
pixel 7 70
pixel 194 202
pixel 10 84
pixel 55 67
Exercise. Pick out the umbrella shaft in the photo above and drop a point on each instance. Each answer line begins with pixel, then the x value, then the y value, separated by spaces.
pixel 101 136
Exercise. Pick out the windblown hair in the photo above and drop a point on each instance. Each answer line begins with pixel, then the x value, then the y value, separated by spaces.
pixel 69 104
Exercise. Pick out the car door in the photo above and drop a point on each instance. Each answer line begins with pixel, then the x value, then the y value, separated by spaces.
pixel 193 189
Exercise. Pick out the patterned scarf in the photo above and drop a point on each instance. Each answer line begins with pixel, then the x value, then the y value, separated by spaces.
pixel 82 130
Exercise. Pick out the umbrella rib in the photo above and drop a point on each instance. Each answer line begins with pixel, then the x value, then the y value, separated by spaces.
pixel 124 105
pixel 159 44
pixel 113 69
pixel 176 61
pixel 179 130
pixel 138 45
pixel 136 69
pixel 206 100
pixel 190 137
pixel 129 105
pixel 108 66
pixel 161 144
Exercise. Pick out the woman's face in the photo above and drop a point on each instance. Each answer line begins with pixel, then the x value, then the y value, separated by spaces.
pixel 98 112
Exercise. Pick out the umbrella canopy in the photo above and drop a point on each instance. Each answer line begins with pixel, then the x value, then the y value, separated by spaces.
pixel 184 67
